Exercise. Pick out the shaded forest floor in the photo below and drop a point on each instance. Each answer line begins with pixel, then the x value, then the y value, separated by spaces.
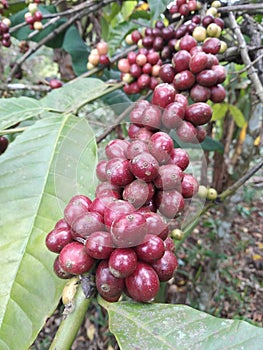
pixel 221 276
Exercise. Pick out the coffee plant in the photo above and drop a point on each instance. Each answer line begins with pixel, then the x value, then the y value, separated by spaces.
pixel 104 172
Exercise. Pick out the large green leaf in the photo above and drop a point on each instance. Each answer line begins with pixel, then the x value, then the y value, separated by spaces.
pixel 237 115
pixel 79 51
pixel 17 109
pixel 32 199
pixel 74 94
pixel 157 7
pixel 163 327
pixel 116 35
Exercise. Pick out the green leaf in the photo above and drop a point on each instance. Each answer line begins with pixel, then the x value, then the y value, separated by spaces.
pixel 117 35
pixel 73 94
pixel 40 171
pixel 237 115
pixel 128 8
pixel 163 327
pixel 219 110
pixel 17 109
pixel 78 50
pixel 212 145
pixel 157 7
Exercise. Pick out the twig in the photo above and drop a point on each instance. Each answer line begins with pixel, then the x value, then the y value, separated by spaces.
pixel 247 67
pixel 12 131
pixel 35 32
pixel 12 87
pixel 243 8
pixel 118 120
pixel 245 57
pixel 54 33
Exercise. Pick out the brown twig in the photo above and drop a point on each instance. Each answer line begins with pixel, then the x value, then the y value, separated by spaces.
pixel 243 8
pixel 54 33
pixel 245 56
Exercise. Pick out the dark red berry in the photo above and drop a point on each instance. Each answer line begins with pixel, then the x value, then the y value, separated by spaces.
pixel 100 203
pixel 156 225
pixel 189 186
pixel 184 80
pixel 179 157
pixel 173 115
pixel 116 209
pixel 169 203
pixel 198 62
pixel 59 271
pixel 212 45
pixel 144 166
pixel 106 188
pixel 99 245
pixel 122 262
pixel 199 93
pixel 151 249
pixel 77 206
pixel 198 113
pixel 143 284
pixel 169 177
pixel 108 286
pixel 128 230
pixel 74 259
pixel 181 61
pixel 187 132
pixel 151 117
pixel 3 144
pixel 218 93
pixel 87 223
pixel 187 42
pixel 116 149
pixel 136 147
pixel 169 244
pixel 136 36
pixel 166 266
pixel 58 238
pixel 118 173
pixel 207 77
pixel 55 83
pixel 163 95
pixel 167 73
pixel 101 170
pixel 138 193
pixel 160 146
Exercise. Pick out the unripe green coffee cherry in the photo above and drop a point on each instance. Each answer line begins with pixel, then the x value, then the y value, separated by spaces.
pixel 177 234
pixel 202 191
pixel 211 194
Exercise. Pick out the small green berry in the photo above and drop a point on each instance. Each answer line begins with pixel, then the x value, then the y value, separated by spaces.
pixel 211 194
pixel 177 234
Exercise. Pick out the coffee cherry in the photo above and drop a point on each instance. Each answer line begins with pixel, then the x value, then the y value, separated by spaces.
pixel 87 223
pixel 179 157
pixel 108 286
pixel 207 77
pixel 151 249
pixel 167 73
pixel 218 93
pixel 181 61
pixel 122 262
pixel 115 210
pixel 181 99
pixel 187 132
pixel 144 134
pixel 118 173
pixel 116 149
pixel 198 62
pixel 189 186
pixel 187 43
pixel 177 234
pixel 99 204
pixel 213 30
pixel 156 225
pixel 136 36
pixel 200 134
pixel 143 284
pixel 3 144
pixel 38 16
pixel 169 203
pixel 55 83
pixel 136 147
pixel 220 72
pixel 211 194
pixel 212 45
pixel 169 177
pixel 59 271
pixel 144 166
pixel 223 46
pixel 163 95
pixel 199 93
pixel 74 259
pixel 77 206
pixel 102 48
pixel 58 238
pixel 160 146
pixel 128 230
pixel 38 25
pixel 141 59
pixel 166 266
pixel 94 59
pixel 128 39
pixel 62 224
pixel 106 188
pixel 104 60
pixel 123 65
pixel 198 113
pixel 138 193
pixel 173 115
pixel 184 80
pixel 99 245
pixel 202 191
pixel 101 170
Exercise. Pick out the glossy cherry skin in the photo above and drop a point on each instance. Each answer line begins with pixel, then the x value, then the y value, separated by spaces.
pixel 122 262
pixel 99 245
pixel 165 266
pixel 151 249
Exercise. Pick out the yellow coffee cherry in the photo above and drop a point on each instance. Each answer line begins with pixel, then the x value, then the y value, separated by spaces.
pixel 223 47
pixel 199 33
pixel 211 194
pixel 177 234
pixel 129 40
pixel 38 25
pixel 202 191
pixel 216 4
pixel 69 290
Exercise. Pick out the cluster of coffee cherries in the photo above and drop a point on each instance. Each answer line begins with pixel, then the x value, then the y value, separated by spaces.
pixel 122 235
pixel 3 144
pixel 5 36
pixel 184 7
pixel 99 55
pixel 34 16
